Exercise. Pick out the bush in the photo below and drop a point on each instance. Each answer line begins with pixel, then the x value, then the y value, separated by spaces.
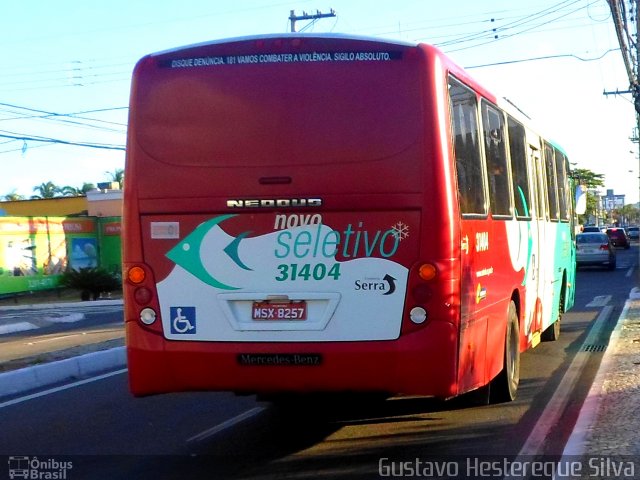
pixel 91 282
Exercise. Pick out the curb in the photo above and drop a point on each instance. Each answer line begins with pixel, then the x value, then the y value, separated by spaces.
pixel 19 381
pixel 44 306
pixel 577 442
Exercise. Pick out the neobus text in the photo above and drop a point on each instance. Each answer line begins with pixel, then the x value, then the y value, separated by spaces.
pixel 274 202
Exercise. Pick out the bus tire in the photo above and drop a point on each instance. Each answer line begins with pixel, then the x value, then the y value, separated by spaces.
pixel 504 387
pixel 552 332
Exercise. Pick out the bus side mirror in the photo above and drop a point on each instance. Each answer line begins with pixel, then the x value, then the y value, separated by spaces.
pixel 581 199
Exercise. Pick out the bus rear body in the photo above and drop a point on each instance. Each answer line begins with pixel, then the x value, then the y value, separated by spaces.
pixel 291 224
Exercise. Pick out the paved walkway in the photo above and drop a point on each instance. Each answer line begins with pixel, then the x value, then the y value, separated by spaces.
pixel 609 423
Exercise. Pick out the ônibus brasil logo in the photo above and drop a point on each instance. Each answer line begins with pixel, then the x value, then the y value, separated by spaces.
pixel 38 468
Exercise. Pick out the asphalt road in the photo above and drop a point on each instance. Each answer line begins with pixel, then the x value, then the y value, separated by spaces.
pixel 33 335
pixel 106 433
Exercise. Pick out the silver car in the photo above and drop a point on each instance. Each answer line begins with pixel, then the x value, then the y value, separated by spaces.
pixel 595 249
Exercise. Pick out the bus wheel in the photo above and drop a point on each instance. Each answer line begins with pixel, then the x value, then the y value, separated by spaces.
pixel 504 387
pixel 552 332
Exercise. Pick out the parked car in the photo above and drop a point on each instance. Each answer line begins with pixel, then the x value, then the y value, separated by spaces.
pixel 619 237
pixel 595 248
pixel 634 233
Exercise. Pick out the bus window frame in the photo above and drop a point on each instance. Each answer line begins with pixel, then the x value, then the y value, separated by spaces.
pixel 487 107
pixel 552 183
pixel 522 167
pixel 562 190
pixel 479 147
pixel 539 182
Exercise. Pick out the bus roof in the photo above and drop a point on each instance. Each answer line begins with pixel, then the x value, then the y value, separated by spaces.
pixel 336 36
pixel 449 64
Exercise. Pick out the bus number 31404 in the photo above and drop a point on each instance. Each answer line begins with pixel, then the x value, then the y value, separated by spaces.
pixel 306 271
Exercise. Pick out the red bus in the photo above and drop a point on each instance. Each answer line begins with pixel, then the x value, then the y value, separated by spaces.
pixel 327 213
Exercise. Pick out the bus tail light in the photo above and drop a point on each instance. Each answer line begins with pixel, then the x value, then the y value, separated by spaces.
pixel 428 281
pixel 136 275
pixel 148 316
pixel 427 271
pixel 422 292
pixel 142 295
pixel 418 315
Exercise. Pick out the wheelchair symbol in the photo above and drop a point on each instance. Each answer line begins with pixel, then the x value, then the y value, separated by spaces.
pixel 183 320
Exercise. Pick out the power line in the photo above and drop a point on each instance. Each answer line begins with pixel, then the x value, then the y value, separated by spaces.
pixel 498 37
pixel 48 114
pixel 546 57
pixel 75 119
pixel 621 28
pixel 516 23
pixel 25 138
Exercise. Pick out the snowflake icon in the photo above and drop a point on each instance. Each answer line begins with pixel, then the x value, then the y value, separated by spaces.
pixel 400 230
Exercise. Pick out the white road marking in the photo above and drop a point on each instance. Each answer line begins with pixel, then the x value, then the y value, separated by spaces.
pixel 59 337
pixel 16 327
pixel 599 301
pixel 226 424
pixel 61 388
pixel 74 317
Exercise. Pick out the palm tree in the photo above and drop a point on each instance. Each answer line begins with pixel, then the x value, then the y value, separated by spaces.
pixel 46 190
pixel 12 196
pixel 69 191
pixel 117 176
pixel 87 187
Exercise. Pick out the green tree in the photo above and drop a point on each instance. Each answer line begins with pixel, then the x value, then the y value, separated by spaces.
pixel 117 176
pixel 69 191
pixel 592 181
pixel 46 190
pixel 627 215
pixel 90 281
pixel 12 196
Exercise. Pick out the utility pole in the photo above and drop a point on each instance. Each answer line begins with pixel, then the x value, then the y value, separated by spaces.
pixel 293 18
pixel 630 49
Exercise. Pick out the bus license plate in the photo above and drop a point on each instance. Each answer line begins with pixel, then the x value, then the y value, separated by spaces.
pixel 279 311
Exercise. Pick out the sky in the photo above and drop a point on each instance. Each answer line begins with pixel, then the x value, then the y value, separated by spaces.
pixel 66 71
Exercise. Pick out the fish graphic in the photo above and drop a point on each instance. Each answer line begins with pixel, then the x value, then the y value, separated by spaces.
pixel 187 253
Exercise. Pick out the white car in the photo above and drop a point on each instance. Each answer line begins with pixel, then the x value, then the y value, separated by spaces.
pixel 595 249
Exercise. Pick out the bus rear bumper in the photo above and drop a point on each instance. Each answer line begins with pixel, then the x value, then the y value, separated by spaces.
pixel 420 363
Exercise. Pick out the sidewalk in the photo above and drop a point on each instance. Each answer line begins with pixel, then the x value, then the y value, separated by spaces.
pixel 609 421
pixel 34 360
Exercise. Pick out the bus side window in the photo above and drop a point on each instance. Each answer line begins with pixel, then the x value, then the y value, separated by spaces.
pixel 563 187
pixel 496 153
pixel 552 185
pixel 518 155
pixel 466 145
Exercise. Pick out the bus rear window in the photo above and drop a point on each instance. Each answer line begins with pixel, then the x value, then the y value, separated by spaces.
pixel 276 114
